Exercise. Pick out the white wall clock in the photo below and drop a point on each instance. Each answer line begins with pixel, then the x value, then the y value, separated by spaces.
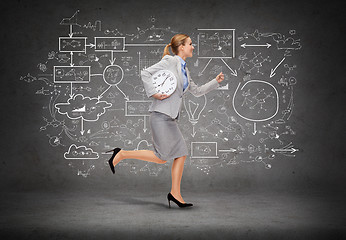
pixel 164 81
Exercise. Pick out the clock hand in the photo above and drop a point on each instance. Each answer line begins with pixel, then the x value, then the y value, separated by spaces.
pixel 163 82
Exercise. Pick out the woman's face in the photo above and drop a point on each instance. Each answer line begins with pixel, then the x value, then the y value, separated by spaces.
pixel 187 48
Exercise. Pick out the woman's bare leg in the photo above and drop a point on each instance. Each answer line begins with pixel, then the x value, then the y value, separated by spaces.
pixel 177 173
pixel 144 155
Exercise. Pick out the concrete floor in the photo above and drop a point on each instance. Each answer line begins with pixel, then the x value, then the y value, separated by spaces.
pixel 145 215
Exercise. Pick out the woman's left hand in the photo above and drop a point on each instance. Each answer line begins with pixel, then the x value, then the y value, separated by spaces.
pixel 220 77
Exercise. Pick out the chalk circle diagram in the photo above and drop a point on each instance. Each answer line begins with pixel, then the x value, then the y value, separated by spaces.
pixel 113 75
pixel 256 101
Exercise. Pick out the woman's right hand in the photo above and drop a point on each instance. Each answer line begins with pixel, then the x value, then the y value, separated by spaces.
pixel 160 96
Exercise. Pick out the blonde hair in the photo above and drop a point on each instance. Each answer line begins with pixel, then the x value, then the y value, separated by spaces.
pixel 176 41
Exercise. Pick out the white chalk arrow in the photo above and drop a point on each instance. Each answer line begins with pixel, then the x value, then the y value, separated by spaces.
pixel 91 45
pixel 71 94
pixel 71 62
pixel 284 150
pixel 272 71
pixel 254 129
pixel 112 60
pixel 71 31
pixel 82 127
pixel 101 95
pixel 193 131
pixel 233 72
pixel 145 125
pixel 228 150
pixel 244 45
pixel 125 97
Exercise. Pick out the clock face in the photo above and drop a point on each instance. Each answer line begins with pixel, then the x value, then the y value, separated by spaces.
pixel 164 81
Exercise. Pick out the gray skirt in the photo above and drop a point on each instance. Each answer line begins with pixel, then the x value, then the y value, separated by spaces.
pixel 167 139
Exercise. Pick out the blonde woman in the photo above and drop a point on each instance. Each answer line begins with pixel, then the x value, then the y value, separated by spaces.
pixel 168 141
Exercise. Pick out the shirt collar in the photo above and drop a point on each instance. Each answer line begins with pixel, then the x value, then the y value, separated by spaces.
pixel 183 63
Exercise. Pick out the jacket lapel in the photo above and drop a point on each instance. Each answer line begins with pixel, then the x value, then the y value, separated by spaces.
pixel 188 79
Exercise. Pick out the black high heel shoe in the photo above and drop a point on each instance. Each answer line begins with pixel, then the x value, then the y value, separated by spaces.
pixel 181 205
pixel 110 161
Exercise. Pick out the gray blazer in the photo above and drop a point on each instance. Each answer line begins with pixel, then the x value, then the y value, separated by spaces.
pixel 171 106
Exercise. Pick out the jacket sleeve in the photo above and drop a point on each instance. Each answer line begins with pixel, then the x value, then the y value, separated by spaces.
pixel 204 89
pixel 147 73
